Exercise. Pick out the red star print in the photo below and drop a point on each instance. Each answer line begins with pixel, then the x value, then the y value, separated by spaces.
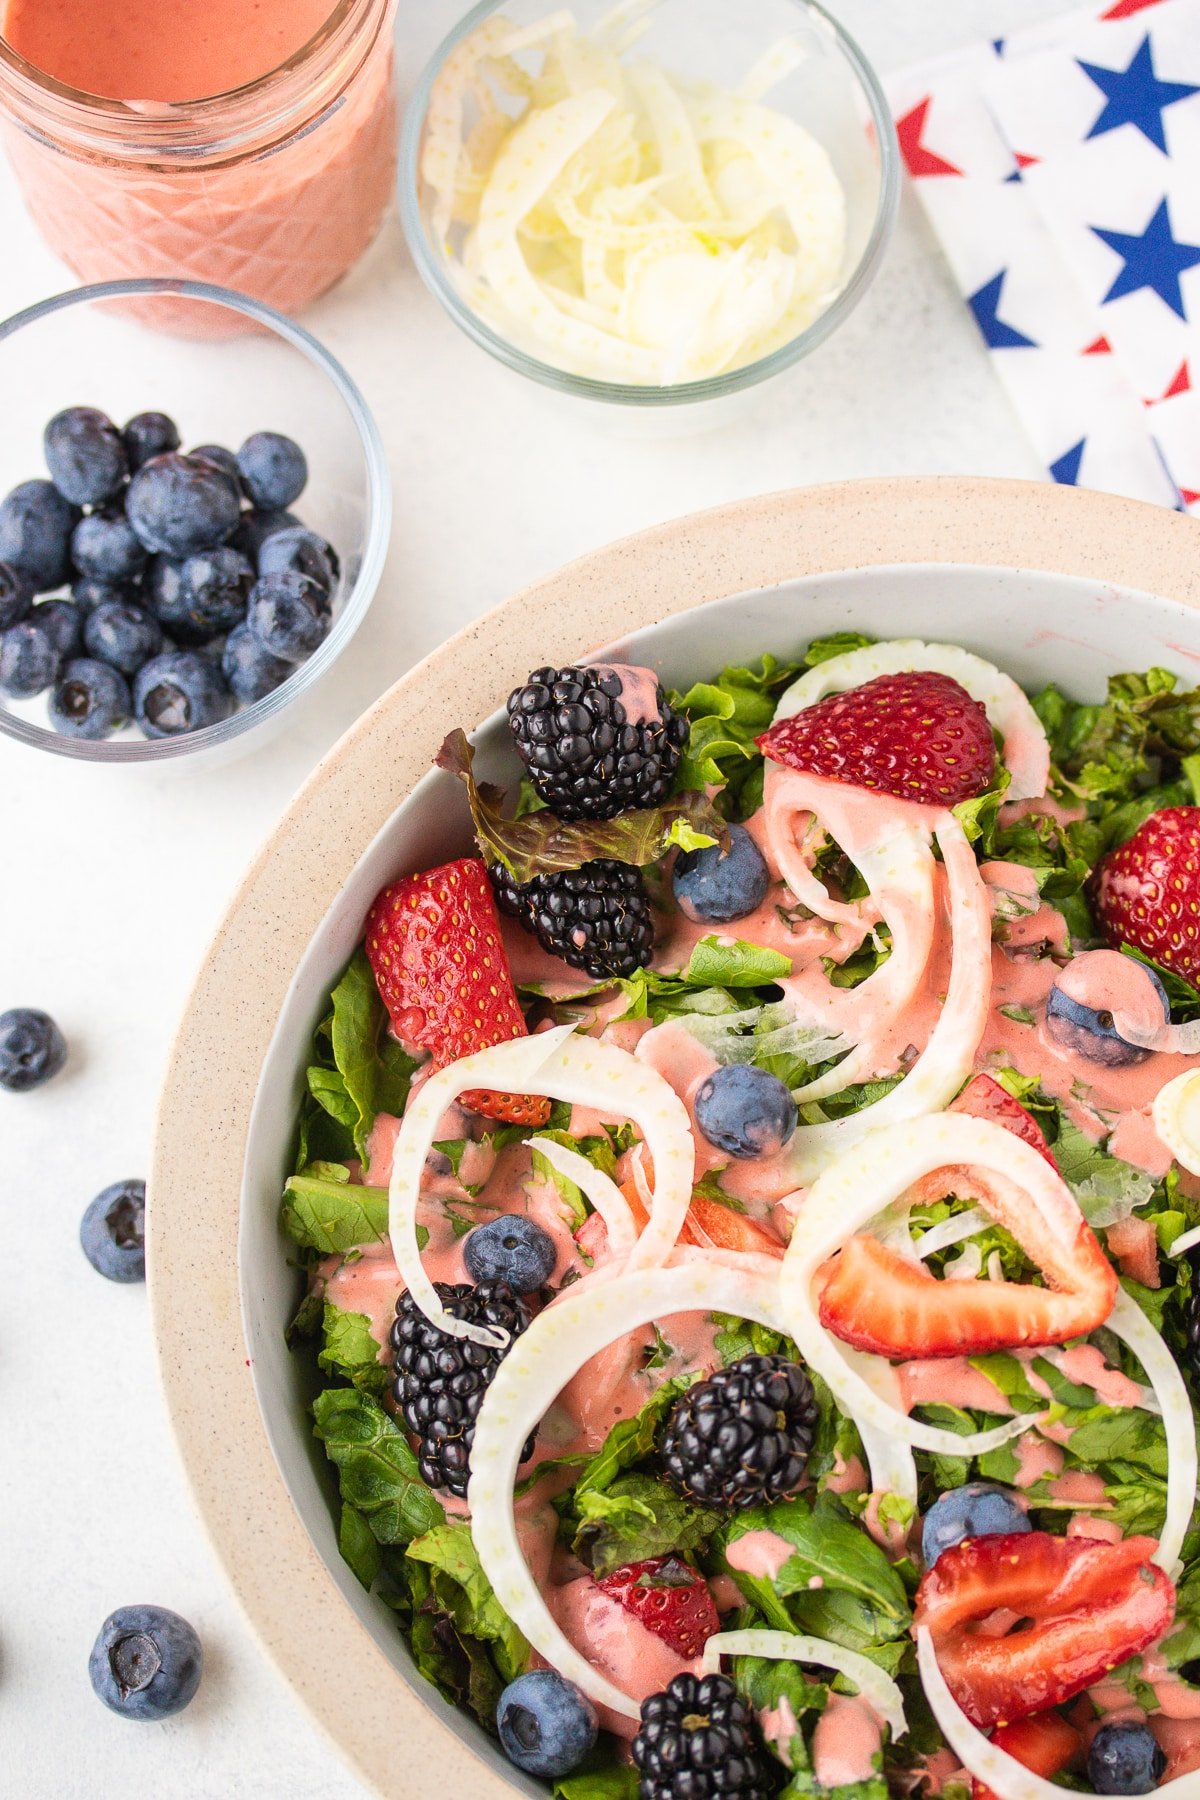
pixel 1181 383
pixel 1100 347
pixel 1125 9
pixel 1023 161
pixel 918 160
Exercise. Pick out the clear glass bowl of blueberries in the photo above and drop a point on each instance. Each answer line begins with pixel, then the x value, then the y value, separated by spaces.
pixel 192 525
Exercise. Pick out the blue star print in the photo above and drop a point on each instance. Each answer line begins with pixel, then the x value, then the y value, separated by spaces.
pixel 1135 96
pixel 1066 470
pixel 997 335
pixel 1154 260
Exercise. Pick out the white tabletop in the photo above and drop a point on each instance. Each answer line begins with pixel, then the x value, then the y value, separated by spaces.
pixel 114 885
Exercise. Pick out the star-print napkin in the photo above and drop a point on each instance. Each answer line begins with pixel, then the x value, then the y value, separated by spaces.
pixel 1060 169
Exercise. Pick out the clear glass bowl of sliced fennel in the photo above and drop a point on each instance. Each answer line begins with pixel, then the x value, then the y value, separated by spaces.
pixel 651 203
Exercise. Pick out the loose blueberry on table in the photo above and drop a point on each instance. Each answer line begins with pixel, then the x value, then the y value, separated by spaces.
pixel 146 1663
pixel 32 1049
pixel 113 1232
pixel 164 554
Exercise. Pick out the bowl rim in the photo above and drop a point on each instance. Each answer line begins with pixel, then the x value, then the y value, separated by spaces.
pixel 618 393
pixel 285 1589
pixel 376 531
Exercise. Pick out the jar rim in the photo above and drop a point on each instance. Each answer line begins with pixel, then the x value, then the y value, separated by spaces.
pixel 212 126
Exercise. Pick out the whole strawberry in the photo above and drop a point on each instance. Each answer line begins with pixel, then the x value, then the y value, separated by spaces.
pixel 433 942
pixel 919 736
pixel 1146 892
pixel 670 1598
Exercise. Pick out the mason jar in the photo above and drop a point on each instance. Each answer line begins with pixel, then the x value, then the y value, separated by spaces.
pixel 275 188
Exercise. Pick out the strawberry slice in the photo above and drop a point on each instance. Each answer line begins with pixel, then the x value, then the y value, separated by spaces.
pixel 433 942
pixel 671 1599
pixel 919 736
pixel 876 1299
pixel 1043 1743
pixel 984 1098
pixel 1146 892
pixel 1088 1606
pixel 719 1227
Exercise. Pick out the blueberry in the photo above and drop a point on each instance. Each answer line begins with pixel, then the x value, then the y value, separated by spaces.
pixel 745 1111
pixel 89 593
pixel 147 435
pixel 219 458
pixel 297 548
pixel 35 534
pixel 85 454
pixel 251 671
pixel 273 468
pixel 202 597
pixel 16 596
pixel 113 1232
pixel 512 1249
pixel 105 546
pixel 546 1725
pixel 146 1663
pixel 1089 1031
pixel 179 692
pixel 32 1049
pixel 178 506
pixel 715 886
pixel 62 622
pixel 28 661
pixel 91 700
pixel 287 615
pixel 215 585
pixel 122 634
pixel 1125 1758
pixel 977 1510
pixel 256 527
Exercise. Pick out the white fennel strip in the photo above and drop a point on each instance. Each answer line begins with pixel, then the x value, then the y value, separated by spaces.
pixel 575 1069
pixel 1128 1322
pixel 877 1689
pixel 949 1056
pixel 1177 1121
pixel 598 1187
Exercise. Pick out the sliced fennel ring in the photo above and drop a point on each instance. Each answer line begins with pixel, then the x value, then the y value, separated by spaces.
pixel 863 1183
pixel 986 1761
pixel 575 1069
pixel 1177 1120
pixel 555 1347
pixel 949 1056
pixel 1128 1322
pixel 877 1689
pixel 1026 750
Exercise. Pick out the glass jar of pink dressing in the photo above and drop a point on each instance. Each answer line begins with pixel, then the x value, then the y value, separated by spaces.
pixel 274 181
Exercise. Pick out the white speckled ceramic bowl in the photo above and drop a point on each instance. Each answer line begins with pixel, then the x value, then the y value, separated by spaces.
pixel 1050 582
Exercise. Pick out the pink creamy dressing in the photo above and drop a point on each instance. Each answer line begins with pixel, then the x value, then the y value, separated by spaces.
pixel 759 1553
pixel 779 1726
pixel 615 1643
pixel 1036 1459
pixel 846 1742
pixel 639 691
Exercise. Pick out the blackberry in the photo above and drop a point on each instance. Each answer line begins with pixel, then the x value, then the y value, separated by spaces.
pixel 1192 1320
pixel 586 755
pixel 743 1437
pixel 596 918
pixel 441 1380
pixel 699 1741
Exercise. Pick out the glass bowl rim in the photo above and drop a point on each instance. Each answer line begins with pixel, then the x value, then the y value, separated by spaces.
pixel 618 393
pixel 376 530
